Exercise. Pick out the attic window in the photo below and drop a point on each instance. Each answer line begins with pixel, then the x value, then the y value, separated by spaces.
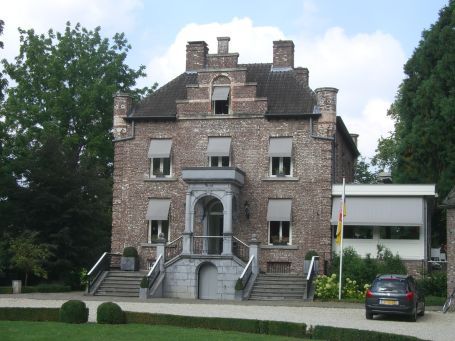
pixel 220 100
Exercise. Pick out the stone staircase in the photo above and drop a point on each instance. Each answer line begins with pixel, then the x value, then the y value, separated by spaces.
pixel 278 287
pixel 121 284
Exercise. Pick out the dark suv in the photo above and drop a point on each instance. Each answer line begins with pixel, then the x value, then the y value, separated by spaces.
pixel 394 294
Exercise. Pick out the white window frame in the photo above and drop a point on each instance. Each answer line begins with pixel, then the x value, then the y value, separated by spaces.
pixel 280 233
pixel 281 166
pixel 220 161
pixel 160 228
pixel 161 167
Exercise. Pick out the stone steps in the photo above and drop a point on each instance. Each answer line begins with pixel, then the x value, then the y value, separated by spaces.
pixel 278 287
pixel 121 284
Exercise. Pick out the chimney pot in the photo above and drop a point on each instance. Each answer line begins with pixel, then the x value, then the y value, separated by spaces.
pixel 302 74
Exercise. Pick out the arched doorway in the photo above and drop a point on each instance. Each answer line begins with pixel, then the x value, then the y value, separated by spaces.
pixel 214 227
pixel 207 282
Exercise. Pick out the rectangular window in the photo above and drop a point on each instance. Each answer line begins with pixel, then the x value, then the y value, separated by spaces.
pixel 280 154
pixel 156 227
pixel 358 232
pixel 279 233
pixel 280 166
pixel 160 158
pixel 219 161
pixel 399 232
pixel 220 100
pixel 161 167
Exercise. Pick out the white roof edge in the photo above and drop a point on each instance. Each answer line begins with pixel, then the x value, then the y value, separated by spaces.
pixel 384 190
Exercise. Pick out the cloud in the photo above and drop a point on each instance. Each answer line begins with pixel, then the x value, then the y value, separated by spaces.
pixel 112 16
pixel 365 67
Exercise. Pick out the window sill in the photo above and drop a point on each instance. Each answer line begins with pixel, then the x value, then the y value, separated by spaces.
pixel 160 179
pixel 152 244
pixel 283 247
pixel 281 178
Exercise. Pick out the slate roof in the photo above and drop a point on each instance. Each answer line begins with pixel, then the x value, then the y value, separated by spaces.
pixel 287 97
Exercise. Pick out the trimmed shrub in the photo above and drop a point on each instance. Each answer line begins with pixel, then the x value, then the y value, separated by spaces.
pixel 144 282
pixel 6 290
pixel 348 334
pixel 218 323
pixel 130 251
pixel 110 313
pixel 29 314
pixel 309 255
pixel 239 284
pixel 74 311
pixel 46 288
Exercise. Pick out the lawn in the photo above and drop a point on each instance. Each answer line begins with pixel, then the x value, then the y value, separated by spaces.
pixel 21 330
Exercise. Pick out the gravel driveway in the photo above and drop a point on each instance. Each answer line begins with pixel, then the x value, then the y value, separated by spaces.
pixel 433 326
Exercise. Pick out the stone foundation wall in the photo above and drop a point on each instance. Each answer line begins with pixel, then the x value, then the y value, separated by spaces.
pixel 181 279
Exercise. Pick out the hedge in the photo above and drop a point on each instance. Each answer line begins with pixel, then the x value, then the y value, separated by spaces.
pixel 44 288
pixel 29 314
pixel 218 323
pixel 348 334
pixel 110 313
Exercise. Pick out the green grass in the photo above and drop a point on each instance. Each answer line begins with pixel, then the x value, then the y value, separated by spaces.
pixel 21 330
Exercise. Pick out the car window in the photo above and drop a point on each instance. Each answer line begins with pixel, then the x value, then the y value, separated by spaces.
pixel 390 285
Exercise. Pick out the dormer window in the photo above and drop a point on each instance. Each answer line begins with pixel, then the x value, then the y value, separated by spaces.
pixel 220 100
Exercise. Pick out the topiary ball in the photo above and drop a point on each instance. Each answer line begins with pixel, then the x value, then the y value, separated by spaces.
pixel 73 311
pixel 110 313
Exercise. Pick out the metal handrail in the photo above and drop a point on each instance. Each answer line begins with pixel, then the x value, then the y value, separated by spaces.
pixel 97 263
pixel 175 240
pixel 153 274
pixel 240 241
pixel 173 249
pixel 311 270
pixel 246 274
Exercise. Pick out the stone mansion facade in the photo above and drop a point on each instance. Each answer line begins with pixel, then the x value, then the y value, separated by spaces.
pixel 224 153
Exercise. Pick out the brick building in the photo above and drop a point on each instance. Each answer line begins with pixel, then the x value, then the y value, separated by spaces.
pixel 223 154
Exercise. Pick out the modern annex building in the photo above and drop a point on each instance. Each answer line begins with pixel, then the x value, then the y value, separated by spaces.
pixel 233 166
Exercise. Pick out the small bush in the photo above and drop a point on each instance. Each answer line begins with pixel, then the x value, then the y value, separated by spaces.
pixel 326 287
pixel 74 311
pixel 352 289
pixel 239 284
pixel 434 285
pixel 130 251
pixel 347 334
pixel 29 314
pixel 144 282
pixel 110 313
pixel 309 255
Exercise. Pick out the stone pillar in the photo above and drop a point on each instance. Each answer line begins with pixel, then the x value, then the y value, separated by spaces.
pixel 187 242
pixel 227 224
pixel 122 106
pixel 161 250
pixel 254 251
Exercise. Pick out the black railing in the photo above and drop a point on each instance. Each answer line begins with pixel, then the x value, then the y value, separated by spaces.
pixel 174 248
pixel 207 245
pixel 240 249
pixel 106 262
pixel 312 272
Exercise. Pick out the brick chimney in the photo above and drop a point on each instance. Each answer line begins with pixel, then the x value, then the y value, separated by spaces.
pixel 196 55
pixel 122 106
pixel 302 75
pixel 283 54
pixel 327 102
pixel 223 45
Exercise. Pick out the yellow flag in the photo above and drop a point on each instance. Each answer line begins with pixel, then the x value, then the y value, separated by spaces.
pixel 341 214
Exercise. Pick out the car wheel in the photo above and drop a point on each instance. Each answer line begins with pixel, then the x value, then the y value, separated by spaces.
pixel 368 315
pixel 413 316
pixel 422 312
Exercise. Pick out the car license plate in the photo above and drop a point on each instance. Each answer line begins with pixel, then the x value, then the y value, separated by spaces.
pixel 388 302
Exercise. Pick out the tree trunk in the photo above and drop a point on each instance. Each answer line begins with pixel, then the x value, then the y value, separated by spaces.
pixel 26 278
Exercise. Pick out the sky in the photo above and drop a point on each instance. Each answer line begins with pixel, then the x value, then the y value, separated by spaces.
pixel 357 46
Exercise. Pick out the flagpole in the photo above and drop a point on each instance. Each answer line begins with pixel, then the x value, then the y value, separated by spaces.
pixel 341 243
